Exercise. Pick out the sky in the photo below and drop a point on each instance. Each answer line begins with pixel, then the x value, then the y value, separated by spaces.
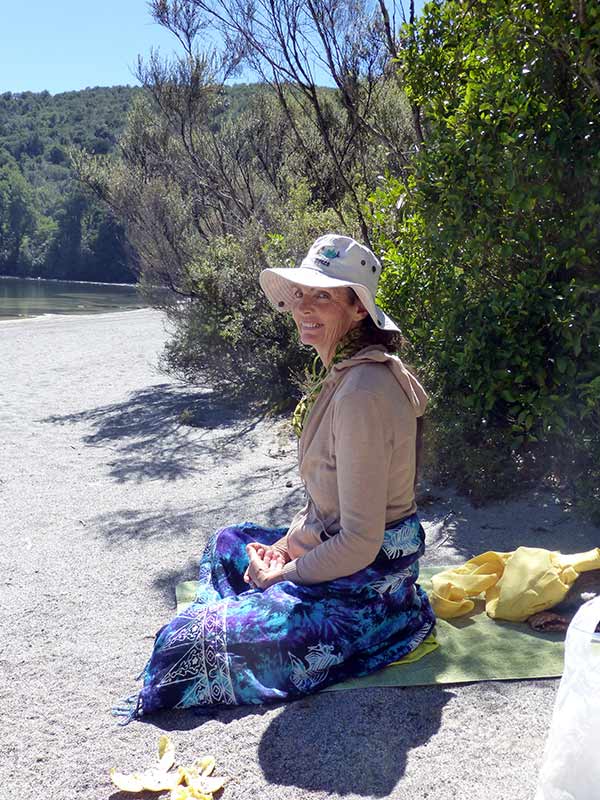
pixel 62 45
pixel 72 44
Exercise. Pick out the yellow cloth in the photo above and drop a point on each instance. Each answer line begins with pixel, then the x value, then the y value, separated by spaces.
pixel 427 646
pixel 514 585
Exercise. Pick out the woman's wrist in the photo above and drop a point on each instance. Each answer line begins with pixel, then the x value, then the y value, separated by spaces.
pixel 281 551
pixel 289 571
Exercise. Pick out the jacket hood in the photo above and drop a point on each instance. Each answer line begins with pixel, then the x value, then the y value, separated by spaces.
pixel 376 355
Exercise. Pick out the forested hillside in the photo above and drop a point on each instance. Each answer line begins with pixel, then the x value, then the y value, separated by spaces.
pixel 49 226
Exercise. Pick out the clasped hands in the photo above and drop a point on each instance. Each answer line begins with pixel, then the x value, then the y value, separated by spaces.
pixel 265 565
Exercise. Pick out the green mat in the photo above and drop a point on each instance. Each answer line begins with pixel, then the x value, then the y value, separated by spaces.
pixel 472 648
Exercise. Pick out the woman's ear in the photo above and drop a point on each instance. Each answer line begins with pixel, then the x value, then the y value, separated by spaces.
pixel 360 312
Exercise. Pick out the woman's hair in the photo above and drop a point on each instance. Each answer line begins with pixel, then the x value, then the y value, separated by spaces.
pixel 394 342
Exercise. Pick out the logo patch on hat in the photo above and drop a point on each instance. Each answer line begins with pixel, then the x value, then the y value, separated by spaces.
pixel 325 254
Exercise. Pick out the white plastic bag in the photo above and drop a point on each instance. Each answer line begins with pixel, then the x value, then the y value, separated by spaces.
pixel 571 765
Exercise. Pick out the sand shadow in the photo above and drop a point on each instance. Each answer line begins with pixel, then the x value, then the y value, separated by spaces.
pixel 166 432
pixel 281 513
pixel 164 582
pixel 192 718
pixel 354 742
pixel 457 530
pixel 126 525
pixel 281 502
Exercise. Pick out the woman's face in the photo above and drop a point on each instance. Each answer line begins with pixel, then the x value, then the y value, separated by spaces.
pixel 324 316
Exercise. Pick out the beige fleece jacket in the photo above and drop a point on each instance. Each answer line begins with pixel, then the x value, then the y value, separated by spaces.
pixel 357 461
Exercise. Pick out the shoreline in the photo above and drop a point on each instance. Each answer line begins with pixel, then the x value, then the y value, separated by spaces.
pixel 64 280
pixel 75 315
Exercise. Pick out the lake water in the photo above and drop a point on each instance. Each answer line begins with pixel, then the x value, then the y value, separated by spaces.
pixel 32 298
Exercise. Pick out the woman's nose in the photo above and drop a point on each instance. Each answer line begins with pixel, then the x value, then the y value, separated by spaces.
pixel 306 302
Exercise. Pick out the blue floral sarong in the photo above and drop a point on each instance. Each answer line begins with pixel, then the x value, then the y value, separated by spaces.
pixel 240 646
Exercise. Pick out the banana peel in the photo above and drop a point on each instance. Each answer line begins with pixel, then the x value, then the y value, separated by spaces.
pixel 187 793
pixel 166 752
pixel 195 782
pixel 205 784
pixel 205 765
pixel 127 783
pixel 151 780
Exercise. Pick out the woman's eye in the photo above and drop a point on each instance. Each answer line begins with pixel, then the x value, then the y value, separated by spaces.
pixel 297 293
pixel 324 295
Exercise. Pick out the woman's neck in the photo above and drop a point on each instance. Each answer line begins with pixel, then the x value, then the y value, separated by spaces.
pixel 327 354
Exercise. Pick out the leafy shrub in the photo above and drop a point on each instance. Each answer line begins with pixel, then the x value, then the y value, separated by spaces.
pixel 492 247
pixel 227 334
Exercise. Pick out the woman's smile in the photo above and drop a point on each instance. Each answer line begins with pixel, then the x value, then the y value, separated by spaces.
pixel 310 326
pixel 311 332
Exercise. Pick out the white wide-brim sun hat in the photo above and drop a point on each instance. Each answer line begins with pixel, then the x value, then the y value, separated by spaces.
pixel 331 261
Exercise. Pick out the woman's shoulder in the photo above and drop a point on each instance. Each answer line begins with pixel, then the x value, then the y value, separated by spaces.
pixel 372 391
pixel 381 376
pixel 371 377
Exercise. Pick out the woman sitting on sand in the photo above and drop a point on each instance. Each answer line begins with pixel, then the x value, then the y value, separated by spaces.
pixel 281 613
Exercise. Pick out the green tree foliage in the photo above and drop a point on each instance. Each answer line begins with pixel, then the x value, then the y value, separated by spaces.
pixel 210 199
pixel 17 216
pixel 464 149
pixel 41 231
pixel 493 244
pixel 347 135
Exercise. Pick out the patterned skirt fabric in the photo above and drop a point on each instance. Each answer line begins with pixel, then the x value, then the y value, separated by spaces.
pixel 240 646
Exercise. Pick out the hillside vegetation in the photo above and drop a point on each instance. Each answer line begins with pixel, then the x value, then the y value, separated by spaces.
pixel 49 225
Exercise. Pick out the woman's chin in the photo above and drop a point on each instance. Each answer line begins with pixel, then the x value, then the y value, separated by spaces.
pixel 311 338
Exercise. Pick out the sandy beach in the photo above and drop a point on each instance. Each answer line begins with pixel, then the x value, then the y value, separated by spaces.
pixel 106 501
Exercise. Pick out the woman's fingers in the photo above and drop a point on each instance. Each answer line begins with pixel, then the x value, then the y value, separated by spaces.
pixel 263 574
pixel 256 556
pixel 257 547
pixel 248 579
pixel 267 554
pixel 276 557
pixel 264 562
pixel 255 551
pixel 271 555
pixel 256 562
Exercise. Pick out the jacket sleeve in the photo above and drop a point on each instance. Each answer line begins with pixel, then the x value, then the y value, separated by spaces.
pixel 363 442
pixel 281 546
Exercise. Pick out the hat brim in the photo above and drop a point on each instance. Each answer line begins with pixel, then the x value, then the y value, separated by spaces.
pixel 278 284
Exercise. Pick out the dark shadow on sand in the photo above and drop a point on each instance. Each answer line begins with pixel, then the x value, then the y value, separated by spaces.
pixel 125 525
pixel 192 718
pixel 164 582
pixel 333 744
pixel 197 523
pixel 454 525
pixel 166 432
